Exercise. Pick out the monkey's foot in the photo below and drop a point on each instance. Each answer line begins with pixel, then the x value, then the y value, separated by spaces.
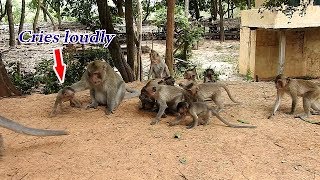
pixel 192 125
pixel 92 105
pixel 304 117
pixel 154 121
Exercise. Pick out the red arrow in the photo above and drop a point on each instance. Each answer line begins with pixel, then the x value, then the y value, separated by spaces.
pixel 59 66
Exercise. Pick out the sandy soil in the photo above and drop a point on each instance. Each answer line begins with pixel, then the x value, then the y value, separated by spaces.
pixel 124 145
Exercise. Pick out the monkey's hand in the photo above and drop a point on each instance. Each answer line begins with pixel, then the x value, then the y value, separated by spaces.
pixel 93 104
pixel 154 121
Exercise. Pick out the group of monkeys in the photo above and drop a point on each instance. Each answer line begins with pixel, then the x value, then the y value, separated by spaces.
pixel 107 88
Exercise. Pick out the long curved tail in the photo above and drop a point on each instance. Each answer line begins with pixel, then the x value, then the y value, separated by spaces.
pixel 19 128
pixel 132 93
pixel 227 123
pixel 229 94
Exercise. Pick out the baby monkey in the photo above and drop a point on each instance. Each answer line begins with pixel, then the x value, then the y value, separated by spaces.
pixel 201 114
pixel 66 94
pixel 209 76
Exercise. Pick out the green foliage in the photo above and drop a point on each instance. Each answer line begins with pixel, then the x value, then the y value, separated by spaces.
pixel 248 76
pixel 287 7
pixel 45 77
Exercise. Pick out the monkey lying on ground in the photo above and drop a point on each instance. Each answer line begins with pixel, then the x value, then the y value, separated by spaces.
pixel 16 127
pixel 166 96
pixel 200 111
pixel 158 68
pixel 209 76
pixel 210 90
pixel 106 86
pixel 66 94
pixel 309 91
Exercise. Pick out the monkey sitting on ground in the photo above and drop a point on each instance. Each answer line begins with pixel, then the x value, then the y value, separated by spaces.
pixel 210 90
pixel 106 86
pixel 190 76
pixel 200 111
pixel 166 97
pixel 209 76
pixel 16 127
pixel 66 94
pixel 309 91
pixel 158 68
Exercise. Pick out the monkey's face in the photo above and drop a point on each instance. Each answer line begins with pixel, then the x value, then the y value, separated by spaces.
pixel 182 108
pixel 189 75
pixel 154 57
pixel 95 78
pixel 68 95
pixel 144 96
pixel 281 83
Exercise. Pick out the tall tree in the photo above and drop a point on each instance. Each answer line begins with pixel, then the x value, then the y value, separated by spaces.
pixel 114 47
pixel 221 23
pixel 22 16
pixel 186 8
pixel 45 10
pixel 44 13
pixel 139 30
pixel 130 37
pixel 170 31
pixel 7 89
pixel 3 11
pixel 214 9
pixel 11 23
pixel 36 17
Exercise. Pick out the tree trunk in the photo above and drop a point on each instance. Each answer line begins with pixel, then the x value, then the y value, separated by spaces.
pixel 186 8
pixel 139 29
pixel 196 8
pixel 114 47
pixel 228 8
pixel 249 4
pixel 11 23
pixel 120 8
pixel 45 10
pixel 221 13
pixel 44 13
pixel 23 12
pixel 170 31
pixel 148 10
pixel 3 13
pixel 36 17
pixel 213 9
pixel 131 48
pixel 7 89
pixel 58 11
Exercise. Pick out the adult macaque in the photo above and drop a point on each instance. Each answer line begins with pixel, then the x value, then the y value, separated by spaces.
pixel 209 76
pixel 66 94
pixel 210 90
pixel 200 111
pixel 166 96
pixel 106 86
pixel 158 68
pixel 167 81
pixel 309 91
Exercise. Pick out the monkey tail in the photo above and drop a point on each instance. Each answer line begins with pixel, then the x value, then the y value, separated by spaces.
pixel 132 93
pixel 227 123
pixel 19 128
pixel 229 94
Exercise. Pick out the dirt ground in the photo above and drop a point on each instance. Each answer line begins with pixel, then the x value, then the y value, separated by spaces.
pixel 124 145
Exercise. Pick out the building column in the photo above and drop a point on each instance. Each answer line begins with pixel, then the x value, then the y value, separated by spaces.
pixel 282 51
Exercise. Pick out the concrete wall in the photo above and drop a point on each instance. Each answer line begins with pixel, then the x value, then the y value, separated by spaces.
pixel 268 19
pixel 311 52
pixel 302 52
pixel 267 53
pixel 247 51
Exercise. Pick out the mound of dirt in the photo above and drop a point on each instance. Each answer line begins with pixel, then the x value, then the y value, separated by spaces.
pixel 124 146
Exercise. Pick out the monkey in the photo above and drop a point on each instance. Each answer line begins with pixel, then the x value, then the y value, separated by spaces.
pixel 158 68
pixel 200 111
pixel 145 49
pixel 210 90
pixel 309 91
pixel 190 77
pixel 166 96
pixel 209 76
pixel 106 86
pixel 167 81
pixel 19 128
pixel 190 74
pixel 66 94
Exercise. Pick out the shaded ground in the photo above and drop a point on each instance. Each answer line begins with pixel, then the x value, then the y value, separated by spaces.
pixel 124 145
